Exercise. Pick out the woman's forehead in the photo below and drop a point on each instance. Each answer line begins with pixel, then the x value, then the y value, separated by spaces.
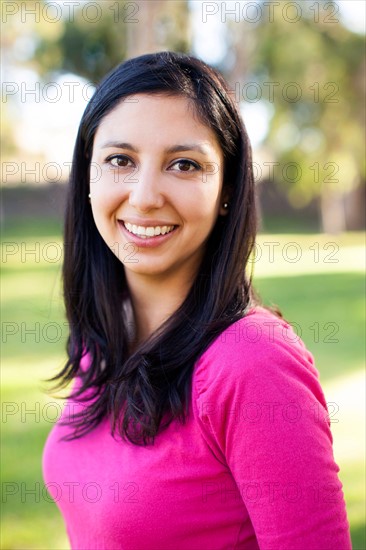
pixel 159 117
pixel 159 104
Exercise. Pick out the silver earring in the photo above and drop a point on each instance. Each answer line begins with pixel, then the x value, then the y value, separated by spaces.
pixel 225 205
pixel 89 196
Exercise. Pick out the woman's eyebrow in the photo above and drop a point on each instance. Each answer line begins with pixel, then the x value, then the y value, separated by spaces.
pixel 174 149
pixel 188 147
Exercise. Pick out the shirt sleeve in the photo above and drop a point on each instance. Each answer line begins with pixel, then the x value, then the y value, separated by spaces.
pixel 262 411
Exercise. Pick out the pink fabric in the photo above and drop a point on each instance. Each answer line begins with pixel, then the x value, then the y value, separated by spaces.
pixel 253 467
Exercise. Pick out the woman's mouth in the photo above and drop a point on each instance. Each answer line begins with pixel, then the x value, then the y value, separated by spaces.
pixel 147 236
pixel 148 232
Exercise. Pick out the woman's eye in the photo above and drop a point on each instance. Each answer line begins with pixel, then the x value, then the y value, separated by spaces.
pixel 120 161
pixel 185 165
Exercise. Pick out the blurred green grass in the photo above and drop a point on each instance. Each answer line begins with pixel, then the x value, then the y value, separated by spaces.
pixel 325 302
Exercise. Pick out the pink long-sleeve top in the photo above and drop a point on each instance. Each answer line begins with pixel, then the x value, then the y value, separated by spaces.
pixel 252 468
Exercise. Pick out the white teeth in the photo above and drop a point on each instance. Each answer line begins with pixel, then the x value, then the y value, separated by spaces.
pixel 145 232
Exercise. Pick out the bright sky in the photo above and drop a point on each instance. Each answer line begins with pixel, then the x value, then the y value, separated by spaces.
pixel 47 120
pixel 49 114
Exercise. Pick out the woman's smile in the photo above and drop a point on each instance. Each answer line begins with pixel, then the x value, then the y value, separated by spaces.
pixel 147 236
pixel 148 232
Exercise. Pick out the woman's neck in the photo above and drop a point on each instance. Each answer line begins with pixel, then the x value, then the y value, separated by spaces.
pixel 153 302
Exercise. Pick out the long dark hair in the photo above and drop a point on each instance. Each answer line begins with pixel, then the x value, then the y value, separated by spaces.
pixel 141 392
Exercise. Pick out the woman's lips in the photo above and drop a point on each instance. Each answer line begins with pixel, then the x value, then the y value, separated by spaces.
pixel 145 242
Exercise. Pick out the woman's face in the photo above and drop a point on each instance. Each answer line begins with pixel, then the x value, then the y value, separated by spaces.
pixel 156 185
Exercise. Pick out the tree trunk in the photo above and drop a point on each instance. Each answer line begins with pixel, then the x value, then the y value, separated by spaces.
pixel 332 210
pixel 141 37
pixel 160 25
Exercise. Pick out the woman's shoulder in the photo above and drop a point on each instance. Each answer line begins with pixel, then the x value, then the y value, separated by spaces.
pixel 261 349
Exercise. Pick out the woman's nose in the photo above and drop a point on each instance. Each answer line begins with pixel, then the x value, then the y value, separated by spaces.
pixel 146 193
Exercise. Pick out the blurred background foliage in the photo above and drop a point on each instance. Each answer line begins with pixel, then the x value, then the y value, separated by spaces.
pixel 323 129
pixel 300 65
pixel 298 73
pixel 93 50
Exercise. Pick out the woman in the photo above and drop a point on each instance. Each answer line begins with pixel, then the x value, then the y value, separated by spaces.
pixel 197 419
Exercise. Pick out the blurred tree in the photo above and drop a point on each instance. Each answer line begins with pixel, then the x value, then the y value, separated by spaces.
pixel 41 40
pixel 92 42
pixel 308 69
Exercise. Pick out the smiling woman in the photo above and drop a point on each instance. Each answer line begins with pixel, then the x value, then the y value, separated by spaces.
pixel 196 418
